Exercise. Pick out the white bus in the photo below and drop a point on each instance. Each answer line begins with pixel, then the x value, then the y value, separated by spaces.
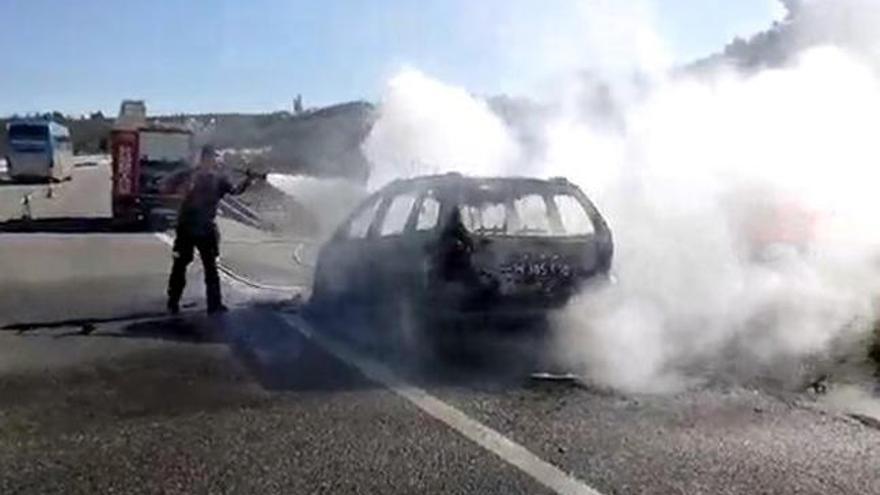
pixel 39 150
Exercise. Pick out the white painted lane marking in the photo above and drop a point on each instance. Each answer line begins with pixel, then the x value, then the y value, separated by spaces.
pixel 511 452
pixel 167 239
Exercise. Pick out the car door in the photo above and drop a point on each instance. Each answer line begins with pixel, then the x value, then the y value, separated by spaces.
pixel 393 248
pixel 405 235
pixel 341 272
pixel 421 241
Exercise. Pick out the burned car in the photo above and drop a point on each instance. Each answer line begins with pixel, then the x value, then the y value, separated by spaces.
pixel 450 247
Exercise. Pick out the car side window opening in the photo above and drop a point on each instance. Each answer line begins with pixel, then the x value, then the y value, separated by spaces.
pixel 360 223
pixel 575 220
pixel 429 213
pixel 397 214
pixel 532 215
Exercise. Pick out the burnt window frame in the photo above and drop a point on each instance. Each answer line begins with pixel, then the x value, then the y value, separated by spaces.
pixel 427 193
pixel 344 232
pixel 450 196
pixel 585 206
pixel 389 199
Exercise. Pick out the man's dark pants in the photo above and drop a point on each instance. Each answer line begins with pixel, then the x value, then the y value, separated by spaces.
pixel 184 245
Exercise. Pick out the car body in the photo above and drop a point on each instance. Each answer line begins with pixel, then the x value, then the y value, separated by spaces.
pixel 461 247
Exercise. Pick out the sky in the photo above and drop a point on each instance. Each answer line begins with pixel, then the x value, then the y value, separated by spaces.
pixel 257 55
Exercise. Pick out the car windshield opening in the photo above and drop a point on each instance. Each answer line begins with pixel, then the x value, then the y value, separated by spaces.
pixel 28 132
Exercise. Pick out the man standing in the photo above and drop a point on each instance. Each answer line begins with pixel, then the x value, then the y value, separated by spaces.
pixel 205 187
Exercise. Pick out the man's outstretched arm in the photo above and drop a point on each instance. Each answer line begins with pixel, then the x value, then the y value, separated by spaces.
pixel 242 186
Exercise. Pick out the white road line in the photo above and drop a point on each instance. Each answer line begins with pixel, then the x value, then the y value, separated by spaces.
pixel 513 453
pixel 167 239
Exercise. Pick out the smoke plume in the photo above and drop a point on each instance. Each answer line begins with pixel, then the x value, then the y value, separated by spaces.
pixel 743 202
pixel 427 127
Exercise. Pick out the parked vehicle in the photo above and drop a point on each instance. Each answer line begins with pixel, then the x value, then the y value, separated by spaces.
pixel 39 150
pixel 143 155
pixel 452 248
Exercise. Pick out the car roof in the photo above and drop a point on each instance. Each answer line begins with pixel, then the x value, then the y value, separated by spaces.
pixel 453 181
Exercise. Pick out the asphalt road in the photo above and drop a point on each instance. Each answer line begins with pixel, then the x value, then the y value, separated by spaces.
pixel 262 400
pixel 86 195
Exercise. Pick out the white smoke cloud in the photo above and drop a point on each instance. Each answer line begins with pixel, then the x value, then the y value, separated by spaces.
pixel 607 36
pixel 312 193
pixel 848 23
pixel 690 173
pixel 703 157
pixel 426 126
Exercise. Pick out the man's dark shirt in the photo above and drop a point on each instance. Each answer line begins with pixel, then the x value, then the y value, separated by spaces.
pixel 199 208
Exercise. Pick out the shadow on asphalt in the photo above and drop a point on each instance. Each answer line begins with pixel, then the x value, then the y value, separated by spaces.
pixel 181 329
pixel 87 225
pixel 280 358
pixel 477 356
pixel 36 181
pixel 69 226
pixel 277 356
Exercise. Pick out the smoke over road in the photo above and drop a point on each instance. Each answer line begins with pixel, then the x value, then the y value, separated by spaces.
pixel 743 202
pixel 313 193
